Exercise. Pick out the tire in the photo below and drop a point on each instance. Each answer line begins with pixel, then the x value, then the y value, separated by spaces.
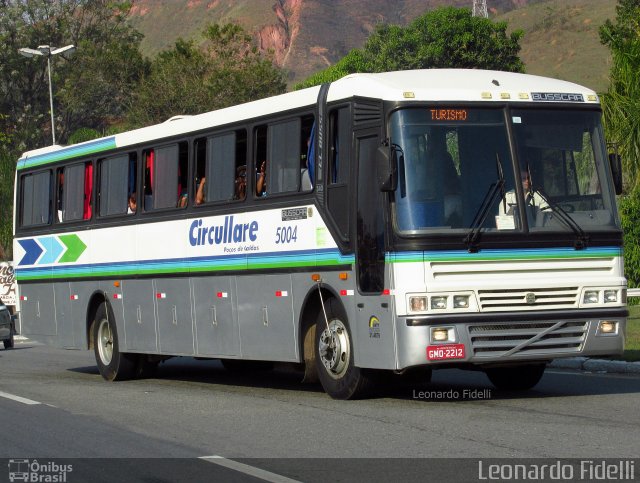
pixel 112 364
pixel 8 343
pixel 334 356
pixel 516 378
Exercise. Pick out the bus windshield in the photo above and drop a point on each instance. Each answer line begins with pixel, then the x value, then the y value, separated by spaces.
pixel 455 170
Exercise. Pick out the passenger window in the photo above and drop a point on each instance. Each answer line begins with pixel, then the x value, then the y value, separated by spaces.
pixel 282 154
pixel 165 177
pixel 217 161
pixel 74 191
pixel 117 185
pixel 36 199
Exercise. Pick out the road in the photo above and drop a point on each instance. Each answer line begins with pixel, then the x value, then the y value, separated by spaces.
pixel 267 426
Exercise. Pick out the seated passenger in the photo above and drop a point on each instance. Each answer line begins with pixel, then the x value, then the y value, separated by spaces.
pixel 200 191
pixel 261 180
pixel 133 205
pixel 241 183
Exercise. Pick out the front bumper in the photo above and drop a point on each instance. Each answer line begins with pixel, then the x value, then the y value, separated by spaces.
pixel 514 337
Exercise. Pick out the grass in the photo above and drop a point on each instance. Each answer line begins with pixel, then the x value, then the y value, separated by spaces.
pixel 632 341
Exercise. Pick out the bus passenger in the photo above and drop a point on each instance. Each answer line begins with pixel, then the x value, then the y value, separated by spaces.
pixel 133 205
pixel 182 199
pixel 261 181
pixel 200 191
pixel 241 183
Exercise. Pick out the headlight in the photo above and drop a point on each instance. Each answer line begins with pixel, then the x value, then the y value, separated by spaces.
pixel 460 301
pixel 438 303
pixel 591 297
pixel 610 296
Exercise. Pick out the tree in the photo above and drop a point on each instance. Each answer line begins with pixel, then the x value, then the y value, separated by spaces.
pixel 187 79
pixel 621 103
pixel 443 38
pixel 89 88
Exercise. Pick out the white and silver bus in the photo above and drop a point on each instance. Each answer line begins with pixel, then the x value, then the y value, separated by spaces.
pixel 393 222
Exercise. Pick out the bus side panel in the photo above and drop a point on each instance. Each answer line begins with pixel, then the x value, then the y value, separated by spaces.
pixel 139 318
pixel 265 317
pixel 38 310
pixel 374 337
pixel 216 321
pixel 64 316
pixel 173 309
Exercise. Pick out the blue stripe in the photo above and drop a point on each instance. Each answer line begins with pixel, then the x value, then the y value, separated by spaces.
pixel 242 262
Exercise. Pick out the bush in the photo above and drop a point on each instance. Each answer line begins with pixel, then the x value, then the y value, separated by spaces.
pixel 629 207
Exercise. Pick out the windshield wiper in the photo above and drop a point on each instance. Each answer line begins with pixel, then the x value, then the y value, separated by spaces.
pixel 582 238
pixel 487 202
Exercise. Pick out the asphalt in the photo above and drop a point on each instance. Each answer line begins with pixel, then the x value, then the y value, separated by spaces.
pixel 585 364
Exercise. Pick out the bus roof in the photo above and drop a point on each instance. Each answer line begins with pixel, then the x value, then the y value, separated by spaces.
pixel 437 85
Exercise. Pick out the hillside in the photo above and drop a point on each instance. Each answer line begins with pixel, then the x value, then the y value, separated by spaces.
pixel 561 37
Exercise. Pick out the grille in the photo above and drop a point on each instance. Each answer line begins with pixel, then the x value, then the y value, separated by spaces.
pixel 531 338
pixel 532 299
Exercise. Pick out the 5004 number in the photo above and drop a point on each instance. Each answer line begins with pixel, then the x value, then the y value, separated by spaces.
pixel 286 234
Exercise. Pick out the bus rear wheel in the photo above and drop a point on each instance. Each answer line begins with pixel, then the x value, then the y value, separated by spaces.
pixel 516 378
pixel 334 356
pixel 112 364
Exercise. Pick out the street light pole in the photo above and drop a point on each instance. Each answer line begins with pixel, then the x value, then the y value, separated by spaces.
pixel 48 51
pixel 53 129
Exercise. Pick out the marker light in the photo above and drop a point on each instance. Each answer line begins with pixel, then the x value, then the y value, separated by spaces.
pixel 590 297
pixel 460 301
pixel 439 334
pixel 438 303
pixel 418 304
pixel 610 296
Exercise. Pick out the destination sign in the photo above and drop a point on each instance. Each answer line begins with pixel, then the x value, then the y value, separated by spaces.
pixel 449 114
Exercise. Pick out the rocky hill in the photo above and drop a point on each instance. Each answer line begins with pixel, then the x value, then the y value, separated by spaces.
pixel 308 35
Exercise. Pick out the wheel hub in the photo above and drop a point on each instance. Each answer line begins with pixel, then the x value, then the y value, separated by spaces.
pixel 105 342
pixel 334 349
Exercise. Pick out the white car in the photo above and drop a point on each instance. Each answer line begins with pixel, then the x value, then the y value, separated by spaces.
pixel 6 326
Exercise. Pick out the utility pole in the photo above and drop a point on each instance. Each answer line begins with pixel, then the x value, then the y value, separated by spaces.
pixel 480 8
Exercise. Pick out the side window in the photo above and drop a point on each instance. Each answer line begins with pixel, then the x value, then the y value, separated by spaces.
pixel 165 176
pixel 284 156
pixel 338 188
pixel 74 191
pixel 219 160
pixel 283 160
pixel 35 199
pixel 117 194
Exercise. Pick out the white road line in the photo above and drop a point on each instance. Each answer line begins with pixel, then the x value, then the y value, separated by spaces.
pixel 247 469
pixel 19 399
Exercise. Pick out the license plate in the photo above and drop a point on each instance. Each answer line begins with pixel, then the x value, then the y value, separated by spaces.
pixel 444 352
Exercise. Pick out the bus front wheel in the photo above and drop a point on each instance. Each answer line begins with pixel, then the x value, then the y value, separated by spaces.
pixel 516 378
pixel 334 356
pixel 112 364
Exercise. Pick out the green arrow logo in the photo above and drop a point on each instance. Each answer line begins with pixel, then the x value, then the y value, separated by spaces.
pixel 75 248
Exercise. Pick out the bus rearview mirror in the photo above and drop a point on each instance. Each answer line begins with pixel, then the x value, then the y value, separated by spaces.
pixel 387 167
pixel 616 171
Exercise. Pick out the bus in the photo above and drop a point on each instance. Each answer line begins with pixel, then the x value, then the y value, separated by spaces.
pixel 383 223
